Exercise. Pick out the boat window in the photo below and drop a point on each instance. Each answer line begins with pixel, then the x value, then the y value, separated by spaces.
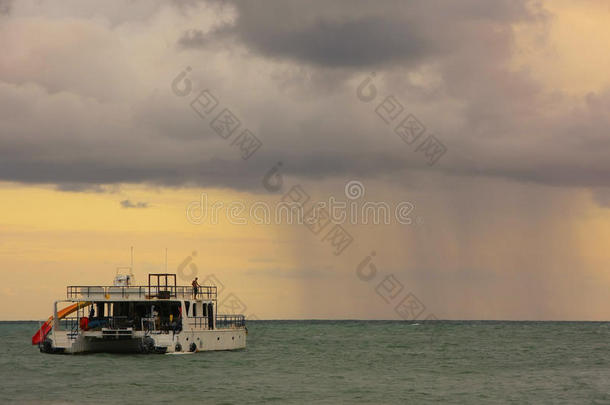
pixel 175 309
pixel 187 305
pixel 194 309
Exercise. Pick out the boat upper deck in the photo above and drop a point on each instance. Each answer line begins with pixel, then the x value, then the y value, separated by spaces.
pixel 139 293
pixel 161 286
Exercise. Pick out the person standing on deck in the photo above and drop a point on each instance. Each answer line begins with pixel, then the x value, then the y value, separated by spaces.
pixel 195 287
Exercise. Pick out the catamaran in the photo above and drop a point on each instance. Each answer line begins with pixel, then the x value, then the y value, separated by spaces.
pixel 160 317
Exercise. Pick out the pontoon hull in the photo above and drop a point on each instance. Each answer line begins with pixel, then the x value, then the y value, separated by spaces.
pixel 185 341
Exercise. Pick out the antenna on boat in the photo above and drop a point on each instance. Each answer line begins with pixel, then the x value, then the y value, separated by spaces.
pixel 131 265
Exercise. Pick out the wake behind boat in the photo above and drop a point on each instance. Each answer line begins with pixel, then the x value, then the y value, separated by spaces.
pixel 160 317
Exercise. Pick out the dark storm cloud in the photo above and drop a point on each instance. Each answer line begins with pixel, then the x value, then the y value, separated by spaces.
pixel 88 103
pixel 355 33
pixel 368 41
pixel 191 168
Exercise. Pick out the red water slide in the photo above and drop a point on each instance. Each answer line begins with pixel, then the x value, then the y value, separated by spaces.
pixel 48 325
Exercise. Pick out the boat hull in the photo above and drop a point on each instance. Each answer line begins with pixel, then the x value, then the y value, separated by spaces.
pixel 139 342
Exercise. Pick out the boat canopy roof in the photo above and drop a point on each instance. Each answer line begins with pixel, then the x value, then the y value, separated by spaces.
pixel 161 286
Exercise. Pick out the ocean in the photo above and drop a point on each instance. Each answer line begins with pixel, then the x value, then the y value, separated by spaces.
pixel 332 362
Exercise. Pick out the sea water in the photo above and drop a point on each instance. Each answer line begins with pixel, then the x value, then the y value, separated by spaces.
pixel 352 362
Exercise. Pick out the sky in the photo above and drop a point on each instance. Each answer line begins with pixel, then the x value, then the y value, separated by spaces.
pixel 481 126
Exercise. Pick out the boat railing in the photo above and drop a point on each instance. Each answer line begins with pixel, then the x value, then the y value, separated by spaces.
pixel 199 322
pixel 230 321
pixel 69 324
pixel 139 292
pixel 119 322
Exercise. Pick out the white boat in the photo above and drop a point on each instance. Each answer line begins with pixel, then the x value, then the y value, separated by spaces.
pixel 160 317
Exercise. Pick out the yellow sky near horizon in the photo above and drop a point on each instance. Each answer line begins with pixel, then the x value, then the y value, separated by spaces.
pixel 55 238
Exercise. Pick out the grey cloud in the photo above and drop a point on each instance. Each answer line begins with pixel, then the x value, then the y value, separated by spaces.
pixel 5 6
pixel 193 38
pixel 368 41
pixel 82 187
pixel 70 130
pixel 113 13
pixel 129 204
pixel 359 33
